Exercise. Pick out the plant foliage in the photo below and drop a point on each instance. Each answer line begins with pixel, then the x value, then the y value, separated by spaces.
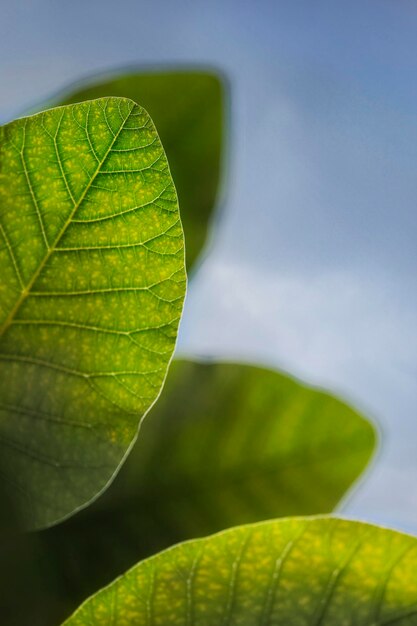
pixel 295 572
pixel 188 109
pixel 92 290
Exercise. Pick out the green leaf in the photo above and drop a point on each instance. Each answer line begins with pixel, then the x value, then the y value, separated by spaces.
pixel 92 287
pixel 188 110
pixel 225 444
pixel 231 443
pixel 294 572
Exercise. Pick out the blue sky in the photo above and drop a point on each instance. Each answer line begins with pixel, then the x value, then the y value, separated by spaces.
pixel 312 264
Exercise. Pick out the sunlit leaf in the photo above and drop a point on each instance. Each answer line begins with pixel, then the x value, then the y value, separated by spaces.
pixel 91 292
pixel 225 444
pixel 188 110
pixel 294 572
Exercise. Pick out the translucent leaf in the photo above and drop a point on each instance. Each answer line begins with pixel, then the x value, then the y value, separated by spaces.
pixel 294 572
pixel 91 292
pixel 188 109
pixel 225 444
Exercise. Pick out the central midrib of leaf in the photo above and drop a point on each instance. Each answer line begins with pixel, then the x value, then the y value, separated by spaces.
pixel 51 249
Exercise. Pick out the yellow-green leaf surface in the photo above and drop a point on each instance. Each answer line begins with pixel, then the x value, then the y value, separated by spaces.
pixel 230 443
pixel 91 292
pixel 294 572
pixel 187 107
pixel 225 444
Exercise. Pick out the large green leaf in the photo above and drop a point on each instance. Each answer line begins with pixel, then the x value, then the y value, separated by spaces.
pixel 188 110
pixel 91 293
pixel 226 444
pixel 294 572
pixel 230 443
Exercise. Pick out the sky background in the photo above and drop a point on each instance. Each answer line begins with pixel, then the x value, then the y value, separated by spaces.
pixel 312 262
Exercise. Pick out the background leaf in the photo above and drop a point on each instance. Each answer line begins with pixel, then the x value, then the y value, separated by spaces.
pixel 294 572
pixel 188 108
pixel 91 294
pixel 230 443
pixel 225 444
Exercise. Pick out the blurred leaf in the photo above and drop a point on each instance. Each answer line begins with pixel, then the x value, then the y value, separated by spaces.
pixel 294 572
pixel 225 444
pixel 231 443
pixel 187 108
pixel 91 293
